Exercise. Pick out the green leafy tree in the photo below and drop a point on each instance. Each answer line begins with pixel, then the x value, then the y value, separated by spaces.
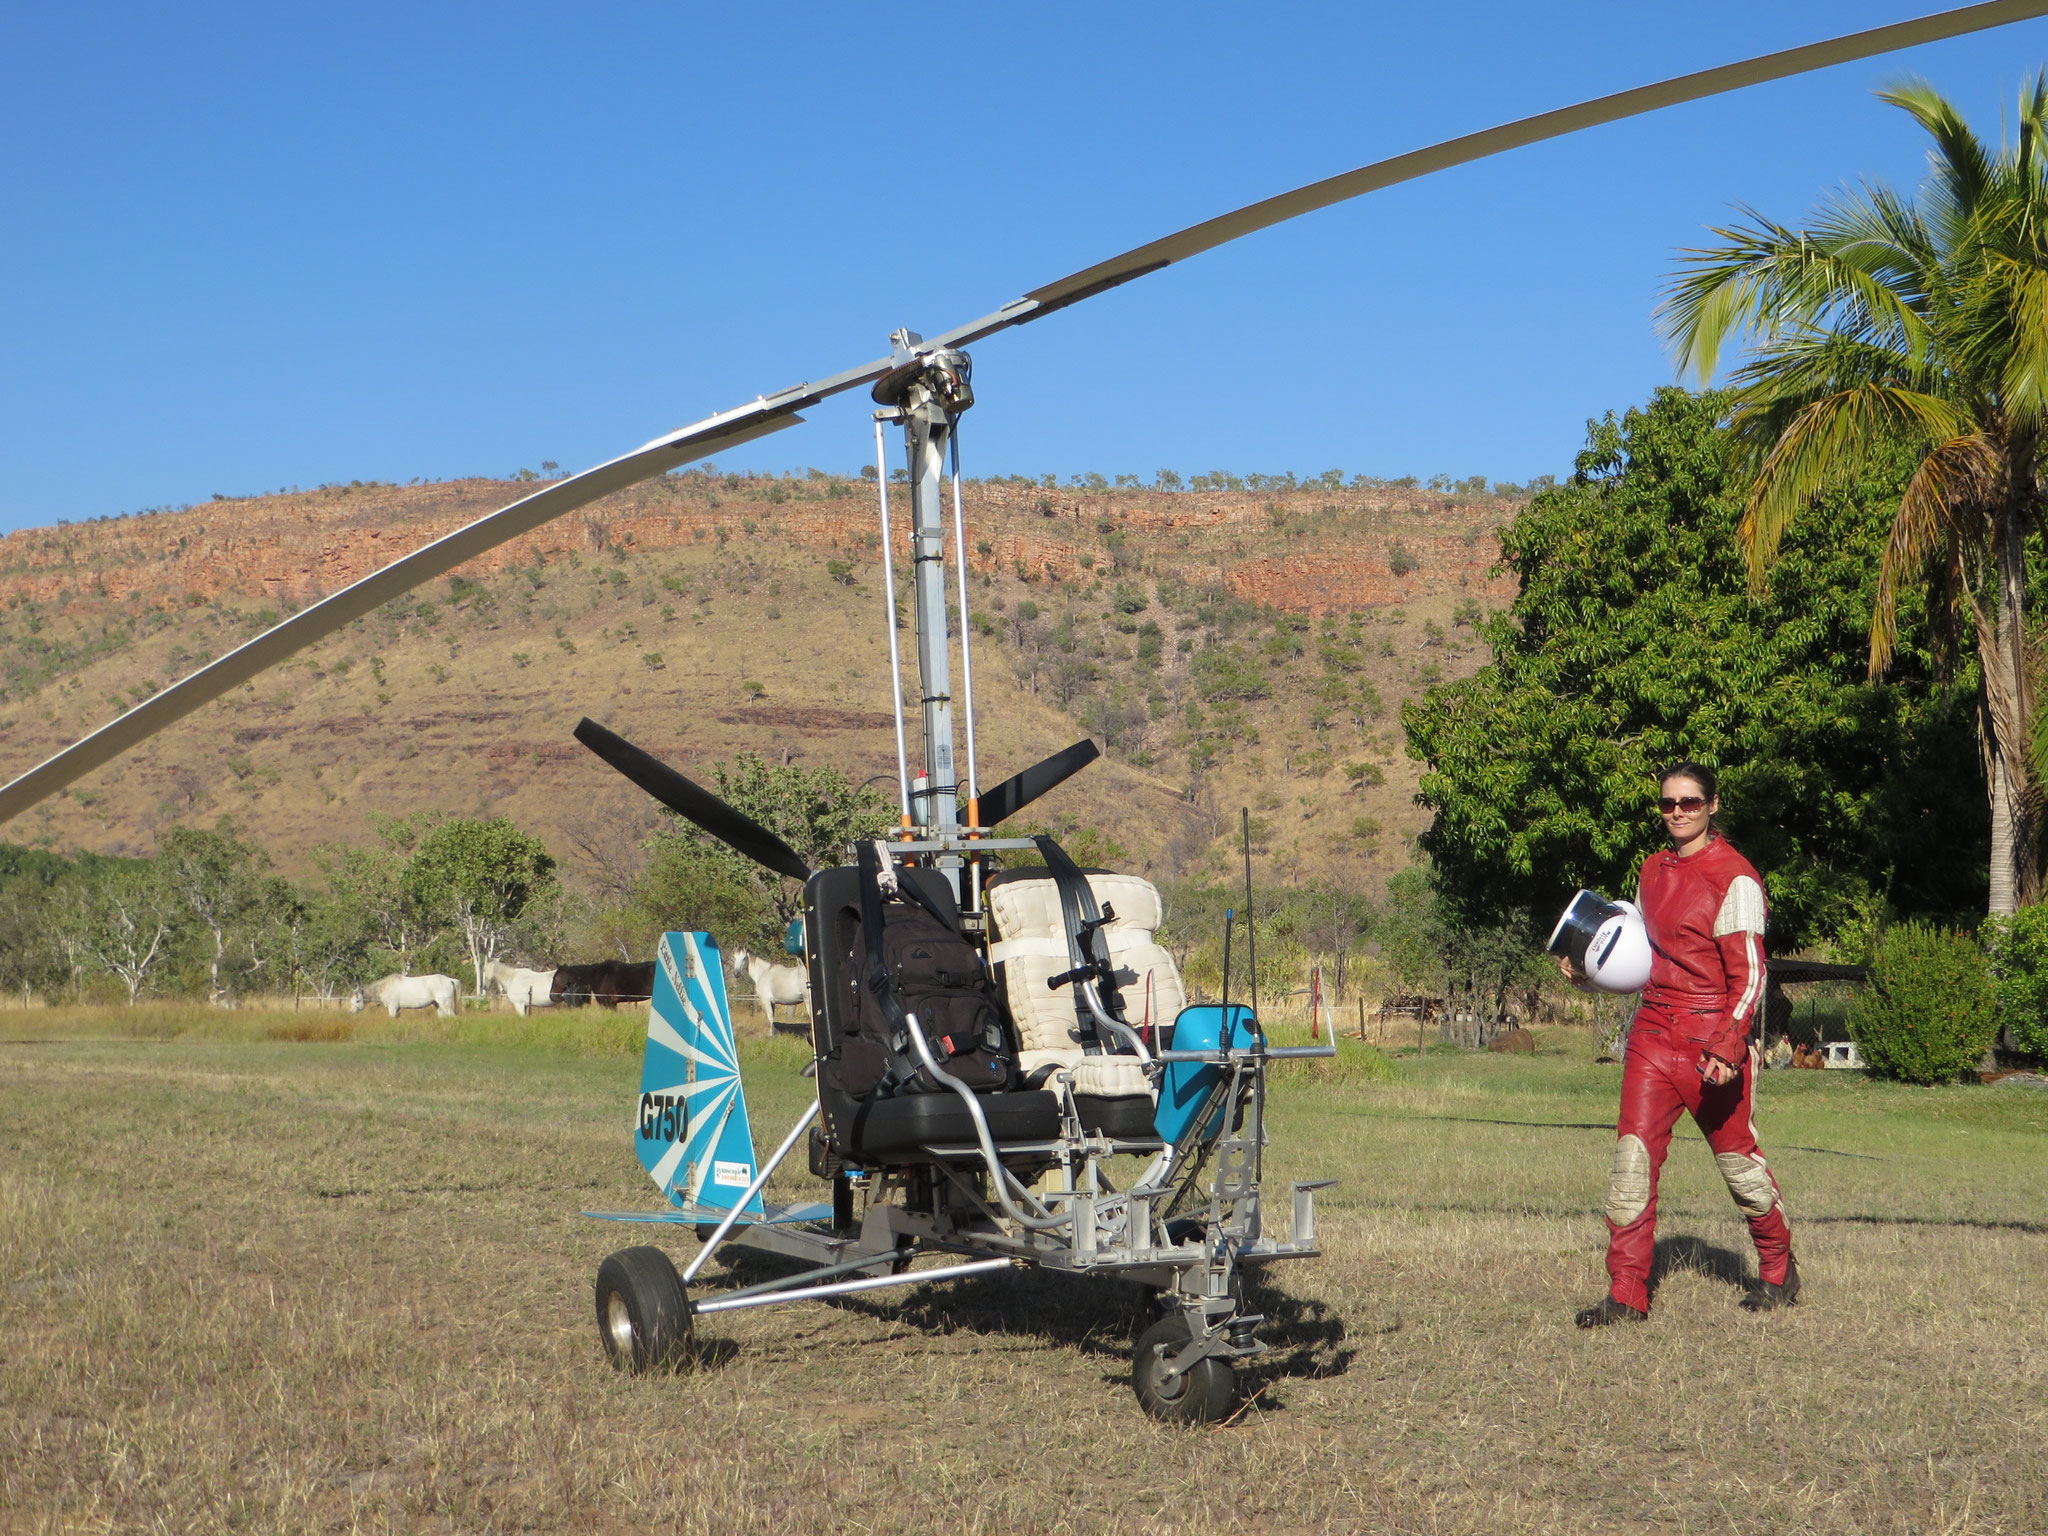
pixel 1889 319
pixel 1633 640
pixel 124 922
pixel 38 951
pixel 218 877
pixel 370 881
pixel 1331 921
pixel 2018 947
pixel 687 887
pixel 483 877
pixel 817 811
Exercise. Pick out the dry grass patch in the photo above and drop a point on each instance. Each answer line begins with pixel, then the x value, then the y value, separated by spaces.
pixel 268 1285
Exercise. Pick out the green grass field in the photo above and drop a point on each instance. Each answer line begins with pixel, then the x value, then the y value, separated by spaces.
pixel 305 1273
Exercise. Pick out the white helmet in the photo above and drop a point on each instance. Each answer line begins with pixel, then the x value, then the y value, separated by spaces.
pixel 1606 940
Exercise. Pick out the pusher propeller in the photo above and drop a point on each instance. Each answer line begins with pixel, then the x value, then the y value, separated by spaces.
pixel 1013 794
pixel 694 803
pixel 769 413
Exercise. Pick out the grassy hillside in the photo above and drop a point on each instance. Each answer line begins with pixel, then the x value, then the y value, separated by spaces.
pixel 1226 648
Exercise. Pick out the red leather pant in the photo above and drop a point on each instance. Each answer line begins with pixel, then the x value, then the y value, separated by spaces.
pixel 1660 1077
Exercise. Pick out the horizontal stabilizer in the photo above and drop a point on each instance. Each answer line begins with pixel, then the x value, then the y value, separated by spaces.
pixel 707 1216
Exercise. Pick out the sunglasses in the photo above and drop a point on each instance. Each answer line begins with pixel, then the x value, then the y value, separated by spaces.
pixel 1691 805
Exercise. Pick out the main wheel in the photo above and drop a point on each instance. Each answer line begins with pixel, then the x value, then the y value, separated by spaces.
pixel 1202 1394
pixel 643 1313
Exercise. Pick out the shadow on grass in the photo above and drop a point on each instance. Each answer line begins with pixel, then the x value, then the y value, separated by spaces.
pixel 1098 1317
pixel 2036 1228
pixel 1604 1126
pixel 1701 1257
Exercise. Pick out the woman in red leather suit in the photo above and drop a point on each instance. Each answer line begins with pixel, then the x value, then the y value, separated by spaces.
pixel 1690 1049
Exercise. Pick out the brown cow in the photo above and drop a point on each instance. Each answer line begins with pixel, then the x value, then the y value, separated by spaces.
pixel 607 983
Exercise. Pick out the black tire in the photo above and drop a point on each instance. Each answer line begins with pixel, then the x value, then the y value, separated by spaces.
pixel 643 1313
pixel 1205 1393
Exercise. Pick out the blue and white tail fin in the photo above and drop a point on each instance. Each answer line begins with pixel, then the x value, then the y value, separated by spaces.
pixel 691 1131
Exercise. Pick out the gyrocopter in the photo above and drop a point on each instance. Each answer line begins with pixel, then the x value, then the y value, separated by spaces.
pixel 992 1025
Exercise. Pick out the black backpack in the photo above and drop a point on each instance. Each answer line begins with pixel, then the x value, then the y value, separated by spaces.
pixel 908 958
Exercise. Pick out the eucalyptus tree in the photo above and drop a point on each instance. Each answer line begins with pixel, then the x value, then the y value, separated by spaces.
pixel 1887 319
pixel 218 877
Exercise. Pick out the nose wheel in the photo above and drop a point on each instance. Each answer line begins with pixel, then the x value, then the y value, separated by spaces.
pixel 1204 1393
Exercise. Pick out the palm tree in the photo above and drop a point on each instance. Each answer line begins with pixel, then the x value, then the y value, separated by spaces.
pixel 1887 321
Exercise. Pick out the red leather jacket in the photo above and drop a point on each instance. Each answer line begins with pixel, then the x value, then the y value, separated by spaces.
pixel 1706 920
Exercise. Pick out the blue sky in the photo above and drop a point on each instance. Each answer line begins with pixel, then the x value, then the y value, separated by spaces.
pixel 254 246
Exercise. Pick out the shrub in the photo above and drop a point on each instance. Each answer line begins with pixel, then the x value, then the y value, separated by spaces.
pixel 2019 970
pixel 1225 672
pixel 1929 1011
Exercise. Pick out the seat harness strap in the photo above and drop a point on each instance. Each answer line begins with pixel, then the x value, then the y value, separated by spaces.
pixel 1087 953
pixel 878 875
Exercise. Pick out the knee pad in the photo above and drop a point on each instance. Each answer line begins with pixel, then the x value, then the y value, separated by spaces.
pixel 1628 1182
pixel 1749 1181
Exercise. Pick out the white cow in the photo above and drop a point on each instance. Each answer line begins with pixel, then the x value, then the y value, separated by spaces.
pixel 786 984
pixel 395 992
pixel 525 989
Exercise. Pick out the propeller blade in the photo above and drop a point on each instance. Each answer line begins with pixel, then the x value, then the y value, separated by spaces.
pixel 770 413
pixel 694 803
pixel 1013 794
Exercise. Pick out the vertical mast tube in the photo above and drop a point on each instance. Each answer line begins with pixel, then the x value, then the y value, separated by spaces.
pixel 927 431
pixel 966 629
pixel 889 597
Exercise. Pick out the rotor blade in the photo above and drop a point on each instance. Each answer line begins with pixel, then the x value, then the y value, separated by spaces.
pixel 323 618
pixel 694 803
pixel 1013 794
pixel 1416 163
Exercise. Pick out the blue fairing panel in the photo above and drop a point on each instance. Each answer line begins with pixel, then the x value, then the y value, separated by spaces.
pixel 690 1127
pixel 1185 1085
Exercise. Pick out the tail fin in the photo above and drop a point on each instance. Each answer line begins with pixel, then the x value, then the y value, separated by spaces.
pixel 691 1129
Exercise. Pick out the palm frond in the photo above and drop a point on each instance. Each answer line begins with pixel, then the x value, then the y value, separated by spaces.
pixel 1767 279
pixel 2032 126
pixel 2023 378
pixel 1879 233
pixel 1962 168
pixel 1958 475
pixel 1827 437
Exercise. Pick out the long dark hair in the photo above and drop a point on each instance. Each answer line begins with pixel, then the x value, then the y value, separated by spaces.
pixel 1708 781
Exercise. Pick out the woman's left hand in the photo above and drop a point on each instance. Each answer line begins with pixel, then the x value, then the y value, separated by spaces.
pixel 1716 1071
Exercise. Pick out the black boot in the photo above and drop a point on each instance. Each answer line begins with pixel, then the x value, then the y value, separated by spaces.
pixel 1768 1297
pixel 1610 1311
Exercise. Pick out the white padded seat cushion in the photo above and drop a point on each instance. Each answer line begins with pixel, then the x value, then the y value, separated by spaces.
pixel 1031 948
pixel 1031 908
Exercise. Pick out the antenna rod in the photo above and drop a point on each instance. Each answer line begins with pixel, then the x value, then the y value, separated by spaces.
pixel 1251 930
pixel 889 598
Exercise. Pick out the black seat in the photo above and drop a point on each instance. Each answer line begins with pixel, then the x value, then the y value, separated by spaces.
pixel 1128 1118
pixel 911 1121
pixel 893 1130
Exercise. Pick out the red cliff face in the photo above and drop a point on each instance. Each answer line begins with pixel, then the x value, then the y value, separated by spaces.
pixel 1303 551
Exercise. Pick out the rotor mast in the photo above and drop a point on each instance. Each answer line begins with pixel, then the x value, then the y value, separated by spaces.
pixel 924 394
